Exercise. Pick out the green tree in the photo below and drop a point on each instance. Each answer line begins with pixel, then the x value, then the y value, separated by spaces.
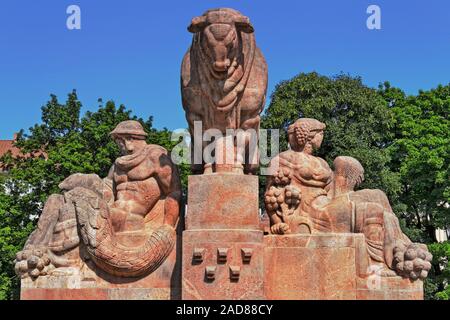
pixel 15 226
pixel 63 144
pixel 437 285
pixel 421 155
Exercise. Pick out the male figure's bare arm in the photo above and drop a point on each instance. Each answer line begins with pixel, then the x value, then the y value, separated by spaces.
pixel 169 181
pixel 108 189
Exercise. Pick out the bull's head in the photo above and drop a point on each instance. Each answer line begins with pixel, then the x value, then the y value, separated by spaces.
pixel 219 36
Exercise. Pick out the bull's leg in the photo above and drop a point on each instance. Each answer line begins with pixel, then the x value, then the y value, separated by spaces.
pixel 241 150
pixel 250 125
pixel 197 167
pixel 207 163
pixel 225 154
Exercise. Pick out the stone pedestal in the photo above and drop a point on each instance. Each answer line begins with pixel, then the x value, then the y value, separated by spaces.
pixel 222 202
pixel 85 284
pixel 223 255
pixel 394 288
pixel 328 266
pixel 90 283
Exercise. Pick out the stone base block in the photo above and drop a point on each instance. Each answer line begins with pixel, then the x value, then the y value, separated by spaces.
pixel 392 288
pixel 328 267
pixel 90 283
pixel 223 265
pixel 96 294
pixel 222 201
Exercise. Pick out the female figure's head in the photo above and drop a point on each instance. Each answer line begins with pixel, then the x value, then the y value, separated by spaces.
pixel 306 135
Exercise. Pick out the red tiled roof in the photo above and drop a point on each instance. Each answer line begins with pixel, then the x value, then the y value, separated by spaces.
pixel 6 146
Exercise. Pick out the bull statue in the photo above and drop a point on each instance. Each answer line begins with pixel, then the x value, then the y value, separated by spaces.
pixel 223 85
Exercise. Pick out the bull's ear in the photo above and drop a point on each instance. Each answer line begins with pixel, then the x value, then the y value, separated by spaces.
pixel 197 24
pixel 244 25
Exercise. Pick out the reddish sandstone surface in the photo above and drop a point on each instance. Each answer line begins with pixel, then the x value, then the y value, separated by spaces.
pixel 122 237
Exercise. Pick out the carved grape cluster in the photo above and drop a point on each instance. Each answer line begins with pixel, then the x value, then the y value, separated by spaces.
pixel 33 262
pixel 292 196
pixel 283 177
pixel 302 134
pixel 413 261
pixel 274 197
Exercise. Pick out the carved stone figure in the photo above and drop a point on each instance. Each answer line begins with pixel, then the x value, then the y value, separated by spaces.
pixel 110 221
pixel 224 84
pixel 305 196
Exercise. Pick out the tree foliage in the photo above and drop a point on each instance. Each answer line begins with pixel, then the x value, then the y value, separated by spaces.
pixel 421 155
pixel 437 285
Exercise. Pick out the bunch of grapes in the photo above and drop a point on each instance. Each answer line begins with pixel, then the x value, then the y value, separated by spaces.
pixel 292 196
pixel 412 261
pixel 283 177
pixel 32 262
pixel 274 197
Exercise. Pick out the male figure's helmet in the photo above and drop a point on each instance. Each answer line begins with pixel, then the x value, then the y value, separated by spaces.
pixel 131 128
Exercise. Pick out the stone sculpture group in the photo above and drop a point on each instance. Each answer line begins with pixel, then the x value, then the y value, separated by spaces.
pixel 122 237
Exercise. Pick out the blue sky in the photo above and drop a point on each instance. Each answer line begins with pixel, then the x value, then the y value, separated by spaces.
pixel 131 51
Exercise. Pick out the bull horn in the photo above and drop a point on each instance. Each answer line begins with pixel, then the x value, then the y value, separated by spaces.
pixel 197 24
pixel 243 24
